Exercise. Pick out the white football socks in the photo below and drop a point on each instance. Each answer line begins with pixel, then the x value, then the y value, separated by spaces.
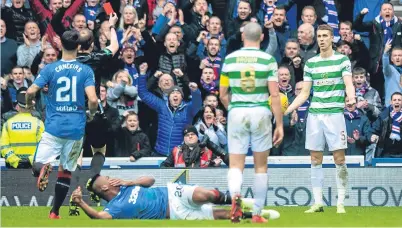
pixel 235 180
pixel 317 182
pixel 260 192
pixel 341 182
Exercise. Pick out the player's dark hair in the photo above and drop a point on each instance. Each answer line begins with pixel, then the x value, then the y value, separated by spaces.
pixel 86 39
pixel 396 93
pixel 91 182
pixel 69 40
pixel 359 70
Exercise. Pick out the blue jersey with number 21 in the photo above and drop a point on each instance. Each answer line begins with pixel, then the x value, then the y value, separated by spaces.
pixel 65 108
pixel 135 202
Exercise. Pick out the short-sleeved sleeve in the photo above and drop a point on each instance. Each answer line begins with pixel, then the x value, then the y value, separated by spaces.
pixel 90 77
pixel 43 77
pixel 272 70
pixel 346 67
pixel 113 210
pixel 224 77
pixel 308 74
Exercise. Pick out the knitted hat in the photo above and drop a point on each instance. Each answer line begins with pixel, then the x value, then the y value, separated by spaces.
pixel 190 128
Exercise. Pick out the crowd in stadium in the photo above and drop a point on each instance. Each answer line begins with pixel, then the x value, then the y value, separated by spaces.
pixel 157 68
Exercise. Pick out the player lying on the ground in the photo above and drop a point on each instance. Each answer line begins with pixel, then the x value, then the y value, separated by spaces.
pixel 136 200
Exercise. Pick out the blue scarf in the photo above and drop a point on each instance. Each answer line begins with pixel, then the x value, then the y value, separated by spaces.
pixel 302 110
pixel 387 26
pixel 396 122
pixel 268 10
pixel 235 9
pixel 332 14
pixel 216 65
pixel 351 115
pixel 90 12
pixel 361 91
pixel 398 68
pixel 211 88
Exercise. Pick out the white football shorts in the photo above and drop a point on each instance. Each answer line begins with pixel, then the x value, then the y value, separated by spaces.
pixel 50 147
pixel 326 128
pixel 249 126
pixel 181 204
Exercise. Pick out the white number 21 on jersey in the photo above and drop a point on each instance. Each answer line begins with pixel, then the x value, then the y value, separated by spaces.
pixel 70 84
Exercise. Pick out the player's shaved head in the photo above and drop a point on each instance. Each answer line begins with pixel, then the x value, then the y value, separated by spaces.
pixel 86 39
pixel 252 32
pixel 70 40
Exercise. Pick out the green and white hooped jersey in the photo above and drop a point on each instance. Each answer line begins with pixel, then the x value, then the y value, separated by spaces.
pixel 328 85
pixel 247 72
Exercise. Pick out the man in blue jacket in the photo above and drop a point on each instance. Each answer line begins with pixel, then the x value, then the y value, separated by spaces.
pixel 173 114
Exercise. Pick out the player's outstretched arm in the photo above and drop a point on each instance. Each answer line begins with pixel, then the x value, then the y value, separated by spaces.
pixel 277 111
pixel 92 99
pixel 301 98
pixel 92 213
pixel 30 95
pixel 349 88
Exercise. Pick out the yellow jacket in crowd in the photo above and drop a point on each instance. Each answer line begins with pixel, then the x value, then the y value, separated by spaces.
pixel 19 138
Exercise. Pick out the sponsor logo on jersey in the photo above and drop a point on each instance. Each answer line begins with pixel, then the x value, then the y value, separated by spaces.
pixel 21 126
pixel 66 108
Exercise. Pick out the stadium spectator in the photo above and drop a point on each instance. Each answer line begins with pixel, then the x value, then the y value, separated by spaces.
pixel 16 18
pixel 6 104
pixel 232 10
pixel 45 16
pixel 211 100
pixel 27 51
pixel 79 22
pixel 121 93
pixel 391 29
pixel 243 13
pixel 282 31
pixel 46 55
pixel 8 49
pixel 293 61
pixel 17 81
pixel 206 123
pixel 209 82
pixel 130 140
pixel 28 73
pixel 392 69
pixel 309 16
pixel 308 45
pixel 173 114
pixel 290 120
pixel 20 135
pixel 360 52
pixel 214 30
pixel 368 99
pixel 386 130
pixel 298 145
pixel 357 129
pixel 195 154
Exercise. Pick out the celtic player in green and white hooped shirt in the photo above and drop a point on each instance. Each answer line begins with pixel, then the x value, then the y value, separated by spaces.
pixel 251 74
pixel 329 76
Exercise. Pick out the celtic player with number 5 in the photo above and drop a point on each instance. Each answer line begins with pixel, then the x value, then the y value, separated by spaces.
pixel 251 74
pixel 69 81
pixel 329 75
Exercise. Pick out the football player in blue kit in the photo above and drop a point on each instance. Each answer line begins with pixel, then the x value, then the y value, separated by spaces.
pixel 138 200
pixel 68 81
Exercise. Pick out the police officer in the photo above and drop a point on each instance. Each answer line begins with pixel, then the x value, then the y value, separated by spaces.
pixel 20 135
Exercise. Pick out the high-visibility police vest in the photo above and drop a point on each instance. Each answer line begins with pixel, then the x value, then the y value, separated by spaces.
pixel 205 158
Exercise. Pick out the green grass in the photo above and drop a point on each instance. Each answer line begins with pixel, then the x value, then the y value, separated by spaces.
pixel 290 217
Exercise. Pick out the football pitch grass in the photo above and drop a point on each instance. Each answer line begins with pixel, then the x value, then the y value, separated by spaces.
pixel 290 217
